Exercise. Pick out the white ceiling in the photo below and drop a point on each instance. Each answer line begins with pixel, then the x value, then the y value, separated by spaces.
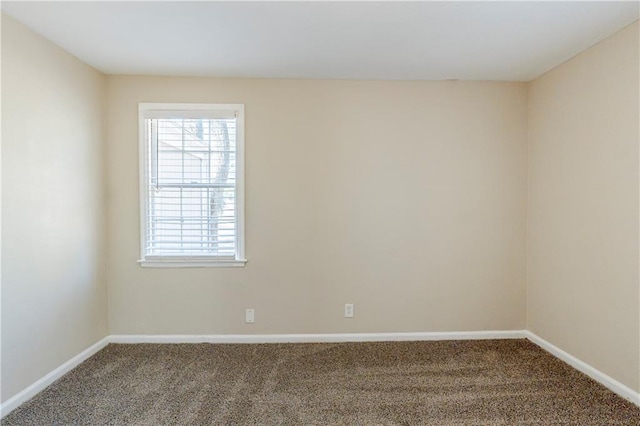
pixel 336 40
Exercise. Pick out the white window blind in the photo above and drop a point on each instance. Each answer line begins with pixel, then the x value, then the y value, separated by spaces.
pixel 191 184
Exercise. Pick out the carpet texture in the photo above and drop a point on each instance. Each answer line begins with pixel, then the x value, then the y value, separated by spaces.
pixel 491 382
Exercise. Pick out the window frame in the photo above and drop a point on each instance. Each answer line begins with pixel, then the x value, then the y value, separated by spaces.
pixel 147 111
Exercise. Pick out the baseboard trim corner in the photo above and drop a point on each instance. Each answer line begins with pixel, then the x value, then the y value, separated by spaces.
pixel 612 384
pixel 318 338
pixel 39 385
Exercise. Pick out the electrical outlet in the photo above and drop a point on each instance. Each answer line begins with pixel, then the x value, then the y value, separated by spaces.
pixel 348 310
pixel 250 316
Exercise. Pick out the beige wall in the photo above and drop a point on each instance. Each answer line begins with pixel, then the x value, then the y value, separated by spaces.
pixel 405 198
pixel 583 207
pixel 53 283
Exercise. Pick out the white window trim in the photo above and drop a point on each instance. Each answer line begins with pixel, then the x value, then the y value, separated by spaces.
pixel 210 110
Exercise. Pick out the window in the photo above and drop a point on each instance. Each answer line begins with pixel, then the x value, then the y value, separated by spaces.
pixel 191 185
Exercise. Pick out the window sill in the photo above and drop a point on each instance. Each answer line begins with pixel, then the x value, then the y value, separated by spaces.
pixel 182 263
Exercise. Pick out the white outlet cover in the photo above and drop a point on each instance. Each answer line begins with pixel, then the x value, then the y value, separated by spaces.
pixel 249 316
pixel 348 310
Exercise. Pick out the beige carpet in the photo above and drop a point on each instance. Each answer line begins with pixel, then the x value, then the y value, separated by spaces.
pixel 494 382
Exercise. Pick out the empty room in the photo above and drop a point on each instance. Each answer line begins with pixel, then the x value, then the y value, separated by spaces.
pixel 320 213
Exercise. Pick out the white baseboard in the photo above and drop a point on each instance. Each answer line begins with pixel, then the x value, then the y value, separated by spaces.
pixel 32 390
pixel 597 375
pixel 318 338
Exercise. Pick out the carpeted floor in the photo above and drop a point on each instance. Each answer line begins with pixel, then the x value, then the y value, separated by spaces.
pixel 491 382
